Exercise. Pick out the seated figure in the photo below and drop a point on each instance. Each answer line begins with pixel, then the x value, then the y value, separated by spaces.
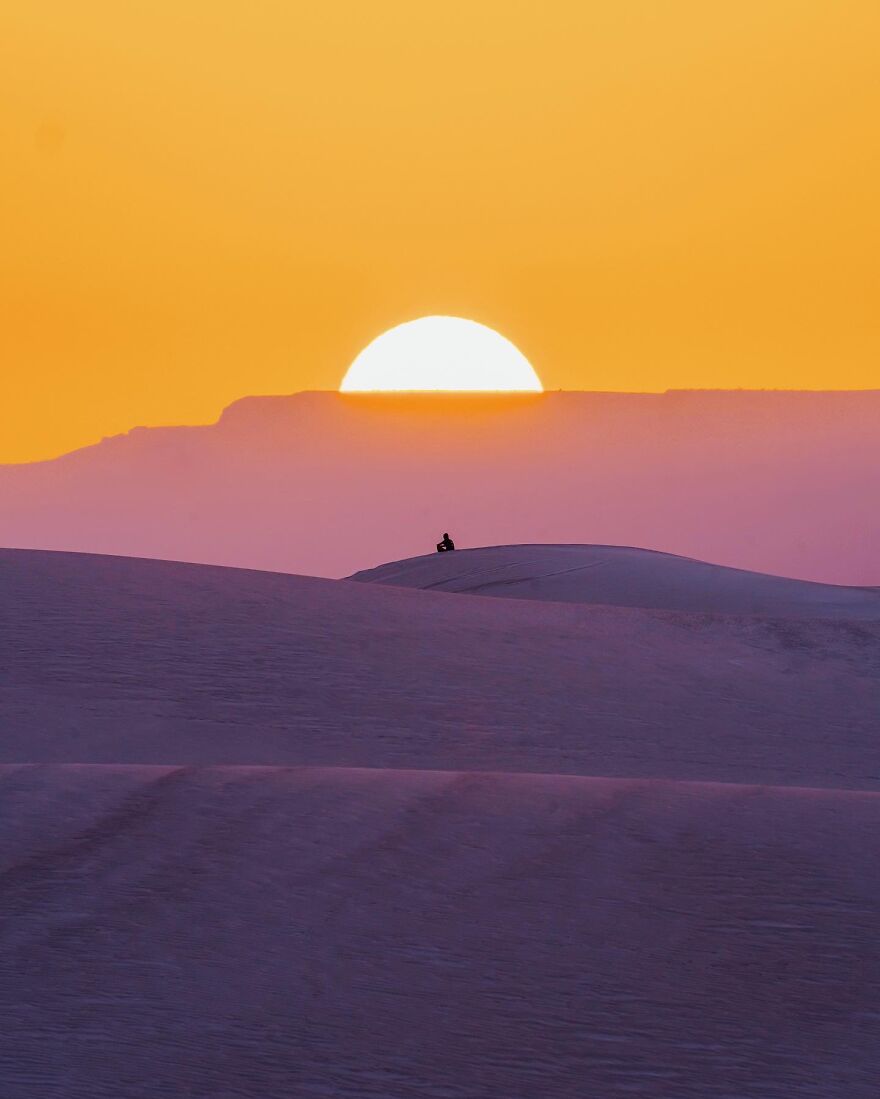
pixel 446 545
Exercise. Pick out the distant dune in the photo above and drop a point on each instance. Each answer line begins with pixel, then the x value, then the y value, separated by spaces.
pixel 622 576
pixel 325 484
pixel 265 836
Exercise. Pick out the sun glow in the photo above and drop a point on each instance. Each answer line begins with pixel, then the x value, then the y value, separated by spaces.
pixel 441 354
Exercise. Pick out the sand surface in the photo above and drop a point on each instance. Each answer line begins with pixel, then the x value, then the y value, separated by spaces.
pixel 330 932
pixel 114 660
pixel 269 836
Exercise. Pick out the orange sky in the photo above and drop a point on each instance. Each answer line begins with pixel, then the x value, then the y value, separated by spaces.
pixel 202 199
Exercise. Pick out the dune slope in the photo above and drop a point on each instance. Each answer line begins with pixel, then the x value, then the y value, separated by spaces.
pixel 114 660
pixel 311 932
pixel 623 576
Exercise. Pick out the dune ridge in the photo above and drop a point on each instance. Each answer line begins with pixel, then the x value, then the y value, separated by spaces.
pixel 623 576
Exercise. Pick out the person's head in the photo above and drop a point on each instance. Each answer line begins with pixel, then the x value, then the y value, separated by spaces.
pixel 445 533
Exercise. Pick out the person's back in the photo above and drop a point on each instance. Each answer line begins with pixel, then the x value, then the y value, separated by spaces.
pixel 446 545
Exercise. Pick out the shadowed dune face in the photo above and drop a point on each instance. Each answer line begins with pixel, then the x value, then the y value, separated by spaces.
pixel 378 910
pixel 624 577
pixel 269 932
pixel 326 484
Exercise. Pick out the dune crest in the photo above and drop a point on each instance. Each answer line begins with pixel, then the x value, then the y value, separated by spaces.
pixel 623 576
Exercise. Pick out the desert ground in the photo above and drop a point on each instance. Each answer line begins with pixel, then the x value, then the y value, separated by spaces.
pixel 518 822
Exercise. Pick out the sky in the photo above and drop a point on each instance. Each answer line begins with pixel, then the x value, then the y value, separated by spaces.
pixel 202 199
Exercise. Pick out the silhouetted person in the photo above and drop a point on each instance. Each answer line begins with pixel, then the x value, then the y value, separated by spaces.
pixel 446 545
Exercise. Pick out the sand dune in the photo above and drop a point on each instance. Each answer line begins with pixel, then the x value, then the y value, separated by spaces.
pixel 429 889
pixel 623 576
pixel 114 660
pixel 312 932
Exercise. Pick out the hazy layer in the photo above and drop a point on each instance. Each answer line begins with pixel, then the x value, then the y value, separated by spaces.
pixel 325 484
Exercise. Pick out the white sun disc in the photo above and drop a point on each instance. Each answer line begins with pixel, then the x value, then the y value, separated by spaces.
pixel 448 354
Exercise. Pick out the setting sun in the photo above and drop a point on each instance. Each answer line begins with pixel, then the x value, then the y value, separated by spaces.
pixel 448 354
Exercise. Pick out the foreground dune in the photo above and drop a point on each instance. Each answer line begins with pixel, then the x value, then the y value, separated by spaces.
pixel 329 932
pixel 664 896
pixel 623 577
